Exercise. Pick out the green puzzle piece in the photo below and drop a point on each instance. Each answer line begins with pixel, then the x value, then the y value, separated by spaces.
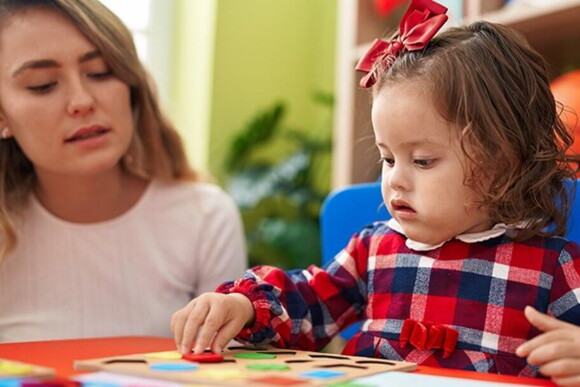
pixel 255 356
pixel 268 367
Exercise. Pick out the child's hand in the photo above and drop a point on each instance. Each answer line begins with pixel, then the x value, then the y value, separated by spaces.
pixel 557 350
pixel 213 318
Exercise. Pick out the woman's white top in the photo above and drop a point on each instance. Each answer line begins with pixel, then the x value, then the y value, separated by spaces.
pixel 125 276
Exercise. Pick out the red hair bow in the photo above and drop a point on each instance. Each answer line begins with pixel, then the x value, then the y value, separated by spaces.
pixel 419 24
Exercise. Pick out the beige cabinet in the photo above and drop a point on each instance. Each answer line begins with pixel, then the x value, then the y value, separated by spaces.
pixel 551 27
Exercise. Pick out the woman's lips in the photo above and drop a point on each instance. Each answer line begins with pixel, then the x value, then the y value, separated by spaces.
pixel 87 133
pixel 89 138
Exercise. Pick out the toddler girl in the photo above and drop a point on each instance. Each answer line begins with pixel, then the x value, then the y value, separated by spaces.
pixel 473 175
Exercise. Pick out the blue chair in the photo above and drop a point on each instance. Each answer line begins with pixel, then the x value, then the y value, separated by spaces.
pixel 573 232
pixel 343 213
pixel 348 210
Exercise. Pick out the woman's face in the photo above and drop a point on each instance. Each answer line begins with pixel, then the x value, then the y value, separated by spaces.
pixel 59 99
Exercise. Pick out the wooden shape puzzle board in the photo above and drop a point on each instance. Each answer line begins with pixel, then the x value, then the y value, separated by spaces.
pixel 283 368
pixel 16 369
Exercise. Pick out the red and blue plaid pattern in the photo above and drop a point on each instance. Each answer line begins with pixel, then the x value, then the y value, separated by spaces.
pixel 478 289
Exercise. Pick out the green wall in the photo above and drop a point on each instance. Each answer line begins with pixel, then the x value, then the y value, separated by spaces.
pixel 192 75
pixel 267 51
pixel 234 58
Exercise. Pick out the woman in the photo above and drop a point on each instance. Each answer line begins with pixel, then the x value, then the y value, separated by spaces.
pixel 105 229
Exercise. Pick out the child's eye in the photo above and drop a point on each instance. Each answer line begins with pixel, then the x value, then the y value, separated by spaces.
pixel 44 88
pixel 424 163
pixel 390 162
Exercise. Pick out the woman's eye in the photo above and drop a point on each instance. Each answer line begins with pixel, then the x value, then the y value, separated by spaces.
pixel 45 87
pixel 101 75
pixel 424 163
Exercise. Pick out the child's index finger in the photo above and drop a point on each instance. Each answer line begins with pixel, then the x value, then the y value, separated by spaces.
pixel 188 338
pixel 212 323
pixel 204 338
pixel 192 325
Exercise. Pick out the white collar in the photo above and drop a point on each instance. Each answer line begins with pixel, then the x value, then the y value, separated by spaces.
pixel 495 231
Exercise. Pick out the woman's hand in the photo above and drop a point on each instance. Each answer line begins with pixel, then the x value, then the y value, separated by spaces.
pixel 211 319
pixel 556 351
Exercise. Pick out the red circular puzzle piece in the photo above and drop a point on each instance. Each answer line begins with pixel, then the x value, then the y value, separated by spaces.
pixel 204 358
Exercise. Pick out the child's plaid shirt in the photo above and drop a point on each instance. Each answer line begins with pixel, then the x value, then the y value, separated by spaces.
pixel 414 305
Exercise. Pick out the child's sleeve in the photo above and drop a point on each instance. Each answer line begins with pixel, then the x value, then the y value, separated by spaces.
pixel 565 294
pixel 305 309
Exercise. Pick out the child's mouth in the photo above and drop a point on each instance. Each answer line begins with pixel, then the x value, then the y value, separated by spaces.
pixel 401 205
pixel 403 208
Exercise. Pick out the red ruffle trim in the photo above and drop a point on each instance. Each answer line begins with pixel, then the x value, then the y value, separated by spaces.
pixel 250 289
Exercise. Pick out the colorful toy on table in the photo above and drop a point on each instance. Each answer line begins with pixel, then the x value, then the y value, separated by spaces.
pixel 19 374
pixel 10 369
pixel 53 382
pixel 246 366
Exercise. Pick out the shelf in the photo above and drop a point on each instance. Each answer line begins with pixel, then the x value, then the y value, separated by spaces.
pixel 526 16
pixel 553 30
pixel 543 26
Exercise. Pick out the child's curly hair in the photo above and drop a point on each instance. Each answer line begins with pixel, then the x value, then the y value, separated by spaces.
pixel 488 81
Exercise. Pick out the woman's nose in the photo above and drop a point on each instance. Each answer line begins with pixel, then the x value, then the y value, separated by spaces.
pixel 81 100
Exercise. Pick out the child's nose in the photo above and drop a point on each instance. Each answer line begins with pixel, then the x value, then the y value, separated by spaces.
pixel 398 177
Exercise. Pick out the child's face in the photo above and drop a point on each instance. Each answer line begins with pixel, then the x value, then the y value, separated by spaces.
pixel 67 111
pixel 423 167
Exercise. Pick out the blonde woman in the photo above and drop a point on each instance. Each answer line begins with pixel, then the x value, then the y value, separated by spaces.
pixel 104 228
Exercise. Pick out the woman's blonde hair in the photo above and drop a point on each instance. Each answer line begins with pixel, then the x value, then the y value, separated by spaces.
pixel 486 80
pixel 156 150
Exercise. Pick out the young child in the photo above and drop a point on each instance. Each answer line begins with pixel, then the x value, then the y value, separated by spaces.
pixel 473 175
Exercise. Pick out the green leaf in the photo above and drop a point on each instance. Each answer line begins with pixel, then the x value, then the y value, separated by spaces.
pixel 297 240
pixel 250 186
pixel 257 132
pixel 280 194
pixel 324 98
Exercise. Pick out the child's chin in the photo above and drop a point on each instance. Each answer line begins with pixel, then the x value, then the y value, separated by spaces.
pixel 426 239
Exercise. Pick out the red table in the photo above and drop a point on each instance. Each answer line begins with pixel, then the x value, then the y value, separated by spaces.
pixel 60 354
